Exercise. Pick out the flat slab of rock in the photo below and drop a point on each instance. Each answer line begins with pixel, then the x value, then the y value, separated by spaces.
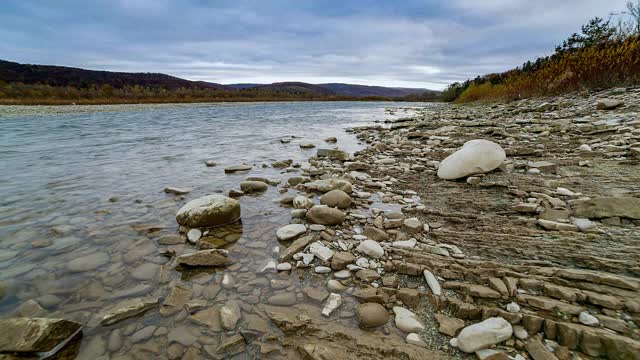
pixel 291 231
pixel 327 185
pixel 334 154
pixel 211 257
pixel 176 191
pixel 295 247
pixel 27 335
pixel 475 157
pixel 237 168
pixel 599 208
pixel 209 211
pixel 127 309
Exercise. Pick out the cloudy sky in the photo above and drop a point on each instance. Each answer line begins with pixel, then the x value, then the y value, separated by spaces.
pixel 409 43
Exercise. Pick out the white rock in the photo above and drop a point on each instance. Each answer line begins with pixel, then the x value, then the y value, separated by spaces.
pixel 371 248
pixel 406 320
pixel 194 235
pixel 565 192
pixel 209 211
pixel 269 267
pixel 406 244
pixel 322 270
pixel 584 224
pixel 227 281
pixel 317 227
pixel 322 252
pixel 584 147
pixel 291 231
pixel 363 263
pixel 307 259
pixel 520 332
pixel 485 353
pixel 415 339
pixel 432 282
pixel 283 267
pixel 475 157
pixel 513 307
pixel 588 319
pixel 342 274
pixel 333 302
pixel 484 334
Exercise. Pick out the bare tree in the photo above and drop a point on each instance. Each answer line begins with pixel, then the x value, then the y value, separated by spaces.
pixel 629 20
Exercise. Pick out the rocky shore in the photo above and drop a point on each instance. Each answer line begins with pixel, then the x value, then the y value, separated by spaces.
pixel 506 231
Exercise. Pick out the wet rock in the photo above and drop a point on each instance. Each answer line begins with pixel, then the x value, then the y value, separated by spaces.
pixel 475 157
pixel 194 235
pixel 142 334
pixel 314 293
pixel 237 168
pixel 331 139
pixel 176 191
pixel 327 185
pixel 290 232
pixel 324 215
pixel 283 267
pixel 307 146
pixel 32 335
pixel 407 321
pixel 295 247
pixel 372 315
pixel 448 325
pixel 115 340
pixel 88 262
pixel 371 248
pixel 249 187
pixel 335 285
pixel 30 308
pixel 283 299
pixel 209 211
pixel 127 309
pixel 146 271
pixel 209 317
pixel 210 163
pixel 333 302
pixel 484 334
pixel 181 335
pixel 211 257
pixel 336 198
pixel 302 202
pixel 333 154
pixel 230 314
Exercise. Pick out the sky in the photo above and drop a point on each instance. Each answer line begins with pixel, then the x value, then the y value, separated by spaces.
pixel 411 43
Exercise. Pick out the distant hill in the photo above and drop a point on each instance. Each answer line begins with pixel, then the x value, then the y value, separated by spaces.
pixel 12 72
pixel 365 90
pixel 37 84
pixel 338 89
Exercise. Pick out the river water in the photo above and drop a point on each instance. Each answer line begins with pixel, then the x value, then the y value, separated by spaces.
pixel 83 211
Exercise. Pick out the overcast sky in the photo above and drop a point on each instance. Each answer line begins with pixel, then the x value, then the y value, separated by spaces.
pixel 390 43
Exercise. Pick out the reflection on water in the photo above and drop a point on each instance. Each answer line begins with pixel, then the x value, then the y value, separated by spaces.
pixel 84 221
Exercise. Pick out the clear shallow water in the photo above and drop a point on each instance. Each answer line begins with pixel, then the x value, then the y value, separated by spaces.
pixel 77 181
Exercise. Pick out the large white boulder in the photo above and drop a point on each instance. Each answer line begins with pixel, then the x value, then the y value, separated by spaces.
pixel 484 334
pixel 475 157
pixel 209 211
pixel 407 321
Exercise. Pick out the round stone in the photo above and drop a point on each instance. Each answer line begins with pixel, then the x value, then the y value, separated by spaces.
pixel 372 315
pixel 336 198
pixel 324 215
pixel 209 211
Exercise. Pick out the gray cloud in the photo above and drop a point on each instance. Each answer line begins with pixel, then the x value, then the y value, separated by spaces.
pixel 417 43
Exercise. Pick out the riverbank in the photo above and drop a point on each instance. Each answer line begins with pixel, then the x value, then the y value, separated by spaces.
pixel 404 260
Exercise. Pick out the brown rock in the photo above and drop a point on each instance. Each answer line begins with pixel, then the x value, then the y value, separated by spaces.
pixel 499 286
pixel 448 325
pixel 372 315
pixel 538 351
pixel 409 297
pixel 341 259
pixel 368 275
pixel 27 335
pixel 295 247
pixel 211 257
pixel 374 233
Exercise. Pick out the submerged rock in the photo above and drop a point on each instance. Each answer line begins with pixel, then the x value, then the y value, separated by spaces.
pixel 127 309
pixel 209 211
pixel 237 168
pixel 475 157
pixel 253 187
pixel 34 335
pixel 333 154
pixel 210 257
pixel 327 185
pixel 290 232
